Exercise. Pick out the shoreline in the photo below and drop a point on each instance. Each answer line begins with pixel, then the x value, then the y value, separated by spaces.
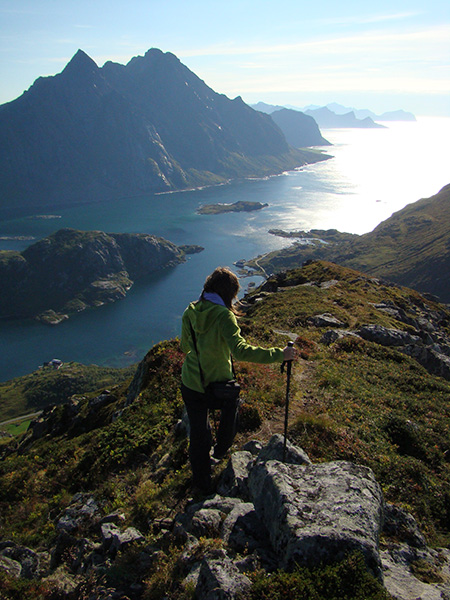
pixel 38 211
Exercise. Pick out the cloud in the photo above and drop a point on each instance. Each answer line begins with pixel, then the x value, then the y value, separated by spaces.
pixel 369 19
pixel 375 41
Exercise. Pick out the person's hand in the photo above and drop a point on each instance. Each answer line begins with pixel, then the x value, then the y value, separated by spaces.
pixel 289 353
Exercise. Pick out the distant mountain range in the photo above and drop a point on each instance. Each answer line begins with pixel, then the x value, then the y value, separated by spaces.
pixel 93 133
pixel 393 115
pixel 335 115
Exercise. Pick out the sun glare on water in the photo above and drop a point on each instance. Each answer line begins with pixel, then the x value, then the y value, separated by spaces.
pixel 377 172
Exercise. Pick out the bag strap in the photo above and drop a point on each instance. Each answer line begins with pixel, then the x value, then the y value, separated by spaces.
pixel 194 339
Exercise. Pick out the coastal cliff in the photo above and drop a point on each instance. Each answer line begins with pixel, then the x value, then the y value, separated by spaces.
pixel 72 270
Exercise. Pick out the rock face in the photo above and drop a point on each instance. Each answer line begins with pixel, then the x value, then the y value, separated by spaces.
pixel 300 130
pixel 267 515
pixel 93 133
pixel 319 513
pixel 72 270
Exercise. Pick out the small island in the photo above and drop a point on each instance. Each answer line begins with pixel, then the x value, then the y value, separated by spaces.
pixel 240 206
pixel 191 248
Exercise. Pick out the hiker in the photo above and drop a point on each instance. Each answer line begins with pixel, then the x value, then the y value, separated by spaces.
pixel 210 335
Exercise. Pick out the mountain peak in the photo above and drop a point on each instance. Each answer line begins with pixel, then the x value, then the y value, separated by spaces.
pixel 80 62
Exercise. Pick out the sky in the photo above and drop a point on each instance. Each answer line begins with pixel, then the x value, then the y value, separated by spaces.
pixel 384 55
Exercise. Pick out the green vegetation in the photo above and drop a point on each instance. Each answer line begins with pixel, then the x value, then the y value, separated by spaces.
pixel 348 580
pixel 363 402
pixel 353 400
pixel 217 209
pixel 48 386
pixel 410 248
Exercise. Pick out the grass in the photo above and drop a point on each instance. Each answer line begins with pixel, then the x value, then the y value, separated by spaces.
pixel 364 402
pixel 352 400
pixel 410 248
pixel 347 580
pixel 48 386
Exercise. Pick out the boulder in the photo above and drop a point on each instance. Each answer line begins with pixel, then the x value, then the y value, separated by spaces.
pixel 28 560
pixel 114 539
pixel 400 562
pixel 325 320
pixel 401 525
pixel 387 337
pixel 254 447
pixel 274 450
pixel 234 479
pixel 220 580
pixel 206 522
pixel 82 511
pixel 318 513
pixel 205 517
pixel 243 530
pixel 11 567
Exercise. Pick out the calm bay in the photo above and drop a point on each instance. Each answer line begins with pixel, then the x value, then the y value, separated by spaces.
pixel 374 173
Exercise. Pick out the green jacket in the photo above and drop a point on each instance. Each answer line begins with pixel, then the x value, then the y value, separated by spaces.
pixel 218 336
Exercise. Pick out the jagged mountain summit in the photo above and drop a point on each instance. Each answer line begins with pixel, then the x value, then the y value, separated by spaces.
pixel 92 133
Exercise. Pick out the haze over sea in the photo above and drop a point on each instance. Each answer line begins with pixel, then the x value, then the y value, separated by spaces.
pixel 374 173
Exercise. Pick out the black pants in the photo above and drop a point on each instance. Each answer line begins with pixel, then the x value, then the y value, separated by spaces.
pixel 200 438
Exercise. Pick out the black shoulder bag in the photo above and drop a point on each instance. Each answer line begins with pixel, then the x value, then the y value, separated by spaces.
pixel 217 392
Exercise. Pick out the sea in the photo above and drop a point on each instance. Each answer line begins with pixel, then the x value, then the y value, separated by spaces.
pixel 373 173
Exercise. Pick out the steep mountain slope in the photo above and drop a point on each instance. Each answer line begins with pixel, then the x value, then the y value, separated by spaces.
pixel 96 498
pixel 299 129
pixel 411 247
pixel 93 133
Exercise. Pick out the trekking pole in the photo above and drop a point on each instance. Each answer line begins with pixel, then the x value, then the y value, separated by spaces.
pixel 288 384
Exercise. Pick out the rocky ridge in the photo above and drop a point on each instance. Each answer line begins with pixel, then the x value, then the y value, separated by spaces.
pixel 266 513
pixel 426 339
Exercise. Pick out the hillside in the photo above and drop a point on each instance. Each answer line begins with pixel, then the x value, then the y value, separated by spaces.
pixel 96 499
pixel 91 133
pixel 410 248
pixel 299 129
pixel 46 386
pixel 72 270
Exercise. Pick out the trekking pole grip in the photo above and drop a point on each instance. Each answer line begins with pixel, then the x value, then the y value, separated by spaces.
pixel 287 362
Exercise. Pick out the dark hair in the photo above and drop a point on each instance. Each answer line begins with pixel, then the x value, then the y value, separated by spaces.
pixel 224 282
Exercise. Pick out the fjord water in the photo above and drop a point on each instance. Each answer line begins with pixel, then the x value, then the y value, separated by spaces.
pixel 374 173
